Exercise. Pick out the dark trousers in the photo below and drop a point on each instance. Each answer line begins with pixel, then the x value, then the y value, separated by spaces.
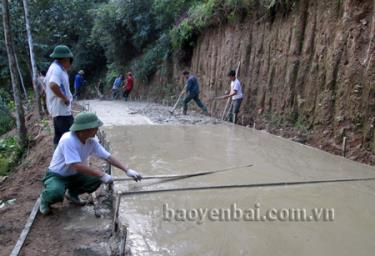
pixel 126 95
pixel 194 97
pixel 77 92
pixel 115 94
pixel 61 125
pixel 234 109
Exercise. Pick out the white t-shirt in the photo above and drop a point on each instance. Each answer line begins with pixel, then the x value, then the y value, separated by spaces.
pixel 236 86
pixel 59 76
pixel 71 150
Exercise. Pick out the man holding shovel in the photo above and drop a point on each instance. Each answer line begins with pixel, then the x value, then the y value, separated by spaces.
pixel 236 94
pixel 68 171
pixel 192 92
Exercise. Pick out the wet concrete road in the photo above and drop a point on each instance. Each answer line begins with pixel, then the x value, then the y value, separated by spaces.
pixel 185 149
pixel 114 112
pixel 159 223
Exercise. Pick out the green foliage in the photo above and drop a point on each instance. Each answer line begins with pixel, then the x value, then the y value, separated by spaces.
pixel 275 120
pixel 4 166
pixel 134 34
pixel 66 22
pixel 301 126
pixel 199 16
pixel 9 144
pixel 7 122
pixel 53 22
pixel 202 15
pixel 145 66
pixel 105 32
pixel 10 151
pixel 44 123
pixel 152 59
pixel 17 30
pixel 114 35
pixel 285 4
pixel 206 13
pixel 167 12
pixel 112 73
pixel 123 29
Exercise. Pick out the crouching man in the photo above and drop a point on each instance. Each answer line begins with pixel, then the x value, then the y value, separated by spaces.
pixel 68 173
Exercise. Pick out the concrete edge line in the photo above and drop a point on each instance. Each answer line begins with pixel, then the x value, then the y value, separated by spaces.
pixel 118 229
pixel 17 248
pixel 341 157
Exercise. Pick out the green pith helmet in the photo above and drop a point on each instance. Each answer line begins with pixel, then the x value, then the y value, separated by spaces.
pixel 61 51
pixel 84 121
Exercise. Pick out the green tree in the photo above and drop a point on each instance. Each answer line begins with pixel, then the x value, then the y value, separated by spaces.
pixel 20 117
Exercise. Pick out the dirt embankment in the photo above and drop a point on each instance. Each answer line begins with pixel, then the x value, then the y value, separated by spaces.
pixel 70 230
pixel 24 184
pixel 308 71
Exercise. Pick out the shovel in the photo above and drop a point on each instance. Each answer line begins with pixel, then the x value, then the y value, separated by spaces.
pixel 178 100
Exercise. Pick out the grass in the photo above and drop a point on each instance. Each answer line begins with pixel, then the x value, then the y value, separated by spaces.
pixel 301 126
pixel 275 120
pixel 10 151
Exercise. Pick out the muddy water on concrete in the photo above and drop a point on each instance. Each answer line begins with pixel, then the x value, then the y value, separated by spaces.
pixel 184 149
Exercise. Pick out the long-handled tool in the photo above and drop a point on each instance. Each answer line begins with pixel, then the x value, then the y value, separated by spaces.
pixel 184 176
pixel 223 116
pixel 178 100
pixel 255 185
pixel 227 104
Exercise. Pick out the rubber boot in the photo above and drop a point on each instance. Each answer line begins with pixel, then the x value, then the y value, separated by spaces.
pixel 44 209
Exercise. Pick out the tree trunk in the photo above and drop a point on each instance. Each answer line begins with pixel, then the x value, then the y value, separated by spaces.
pixel 20 116
pixel 21 79
pixel 32 59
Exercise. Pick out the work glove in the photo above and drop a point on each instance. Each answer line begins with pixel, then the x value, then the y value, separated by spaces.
pixel 134 174
pixel 106 178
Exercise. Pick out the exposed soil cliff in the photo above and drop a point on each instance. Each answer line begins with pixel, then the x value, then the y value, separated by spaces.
pixel 310 69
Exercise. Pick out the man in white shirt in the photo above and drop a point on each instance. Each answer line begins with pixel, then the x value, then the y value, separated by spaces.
pixel 68 169
pixel 236 94
pixel 58 93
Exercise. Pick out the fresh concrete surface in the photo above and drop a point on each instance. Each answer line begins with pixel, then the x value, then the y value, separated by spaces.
pixel 183 149
pixel 115 112
pixel 176 149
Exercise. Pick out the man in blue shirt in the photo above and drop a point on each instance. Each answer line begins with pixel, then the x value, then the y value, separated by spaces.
pixel 78 83
pixel 117 84
pixel 192 92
